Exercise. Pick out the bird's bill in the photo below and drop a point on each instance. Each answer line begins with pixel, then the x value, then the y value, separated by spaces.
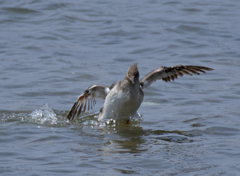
pixel 132 80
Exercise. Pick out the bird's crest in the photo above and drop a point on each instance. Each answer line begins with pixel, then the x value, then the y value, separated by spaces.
pixel 133 70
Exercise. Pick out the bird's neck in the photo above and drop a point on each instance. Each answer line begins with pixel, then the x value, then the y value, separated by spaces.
pixel 128 84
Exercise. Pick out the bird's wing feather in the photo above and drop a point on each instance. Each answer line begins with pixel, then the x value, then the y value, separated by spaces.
pixel 170 73
pixel 87 99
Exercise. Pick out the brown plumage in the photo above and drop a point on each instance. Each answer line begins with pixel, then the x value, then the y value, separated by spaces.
pixel 87 100
pixel 170 73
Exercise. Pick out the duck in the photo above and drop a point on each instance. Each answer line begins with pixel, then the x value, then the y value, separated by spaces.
pixel 123 98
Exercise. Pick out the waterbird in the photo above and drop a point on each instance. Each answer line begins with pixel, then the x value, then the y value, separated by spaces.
pixel 123 98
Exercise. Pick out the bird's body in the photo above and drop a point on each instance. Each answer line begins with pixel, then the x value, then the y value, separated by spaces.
pixel 123 98
pixel 122 102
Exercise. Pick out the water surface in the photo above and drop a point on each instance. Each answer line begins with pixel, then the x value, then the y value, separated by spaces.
pixel 52 51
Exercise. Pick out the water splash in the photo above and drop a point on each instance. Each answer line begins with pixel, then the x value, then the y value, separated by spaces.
pixel 111 122
pixel 45 115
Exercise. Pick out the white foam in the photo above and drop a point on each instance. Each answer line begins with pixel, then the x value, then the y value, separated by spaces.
pixel 44 115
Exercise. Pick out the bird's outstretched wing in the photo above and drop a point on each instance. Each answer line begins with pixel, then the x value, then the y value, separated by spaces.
pixel 87 99
pixel 170 73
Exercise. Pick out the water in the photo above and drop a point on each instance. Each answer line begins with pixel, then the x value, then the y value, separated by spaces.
pixel 51 51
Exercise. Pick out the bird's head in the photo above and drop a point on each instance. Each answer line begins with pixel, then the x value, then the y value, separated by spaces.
pixel 133 74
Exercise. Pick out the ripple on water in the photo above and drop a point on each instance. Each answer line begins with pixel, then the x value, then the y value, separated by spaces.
pixel 221 131
pixel 19 10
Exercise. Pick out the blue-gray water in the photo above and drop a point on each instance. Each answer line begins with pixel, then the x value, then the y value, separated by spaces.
pixel 51 51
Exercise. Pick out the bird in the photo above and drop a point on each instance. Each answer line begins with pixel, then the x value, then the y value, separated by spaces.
pixel 123 98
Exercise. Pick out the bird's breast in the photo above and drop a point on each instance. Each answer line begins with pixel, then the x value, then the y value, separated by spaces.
pixel 121 104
